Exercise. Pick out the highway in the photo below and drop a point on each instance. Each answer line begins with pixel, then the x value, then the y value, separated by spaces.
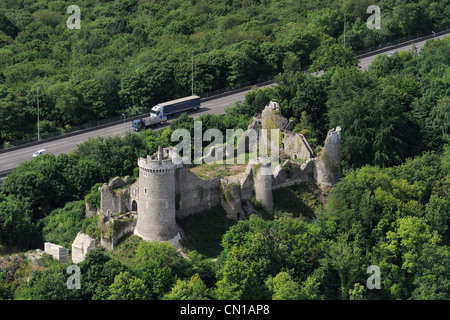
pixel 11 159
pixel 364 63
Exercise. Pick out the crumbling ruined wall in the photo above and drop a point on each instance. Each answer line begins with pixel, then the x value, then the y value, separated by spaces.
pixel 231 198
pixel 193 195
pixel 57 252
pixel 262 183
pixel 81 246
pixel 296 146
pixel 324 169
pixel 328 164
pixel 292 173
pixel 115 197
pixel 271 118
pixel 113 230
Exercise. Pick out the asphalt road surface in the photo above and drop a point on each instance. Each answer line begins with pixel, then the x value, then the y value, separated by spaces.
pixel 11 159
pixel 364 63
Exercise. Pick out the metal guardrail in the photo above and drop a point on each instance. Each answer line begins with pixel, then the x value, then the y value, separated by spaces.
pixel 420 36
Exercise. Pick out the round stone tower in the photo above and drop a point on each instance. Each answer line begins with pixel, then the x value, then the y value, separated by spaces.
pixel 156 201
pixel 328 165
pixel 262 179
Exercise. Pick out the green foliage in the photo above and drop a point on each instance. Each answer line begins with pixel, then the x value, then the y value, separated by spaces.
pixel 283 287
pixel 377 126
pixel 333 56
pixel 193 289
pixel 204 231
pixel 256 249
pixel 390 210
pixel 158 264
pixel 7 26
pixel 62 225
pixel 48 285
pixel 99 271
pixel 94 197
pixel 128 287
pixel 17 229
pixel 395 218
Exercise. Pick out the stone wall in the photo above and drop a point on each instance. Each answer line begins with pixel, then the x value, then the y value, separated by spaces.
pixel 262 177
pixel 328 164
pixel 271 118
pixel 230 198
pixel 114 229
pixel 292 173
pixel 81 246
pixel 193 195
pixel 115 197
pixel 296 146
pixel 57 252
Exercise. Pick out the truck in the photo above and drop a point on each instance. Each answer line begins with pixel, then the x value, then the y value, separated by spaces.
pixel 149 122
pixel 162 111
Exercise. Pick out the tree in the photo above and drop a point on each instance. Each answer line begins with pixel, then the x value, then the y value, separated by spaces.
pixel 376 122
pixel 332 56
pixel 287 81
pixel 311 98
pixel 237 279
pixel 385 65
pixel 146 84
pixel 14 121
pixel 433 280
pixel 283 287
pixel 345 258
pixel 158 264
pixel 67 104
pixel 128 287
pixel 50 284
pixel 440 115
pixel 254 102
pixel 245 61
pixel 93 97
pixel 299 39
pixel 256 249
pixel 34 180
pixel 192 289
pixel 410 17
pixel 7 26
pixel 99 271
pixel 17 229
pixel 327 20
pixel 437 213
pixel 401 255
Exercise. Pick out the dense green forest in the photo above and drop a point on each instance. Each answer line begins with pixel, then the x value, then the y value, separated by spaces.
pixel 392 208
pixel 131 54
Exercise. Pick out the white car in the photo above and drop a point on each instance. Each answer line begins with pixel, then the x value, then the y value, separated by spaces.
pixel 39 152
pixel 391 53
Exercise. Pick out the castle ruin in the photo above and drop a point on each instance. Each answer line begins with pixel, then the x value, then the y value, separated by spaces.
pixel 166 191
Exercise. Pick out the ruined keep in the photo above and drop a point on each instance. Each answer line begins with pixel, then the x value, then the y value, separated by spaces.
pixel 156 199
pixel 167 190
